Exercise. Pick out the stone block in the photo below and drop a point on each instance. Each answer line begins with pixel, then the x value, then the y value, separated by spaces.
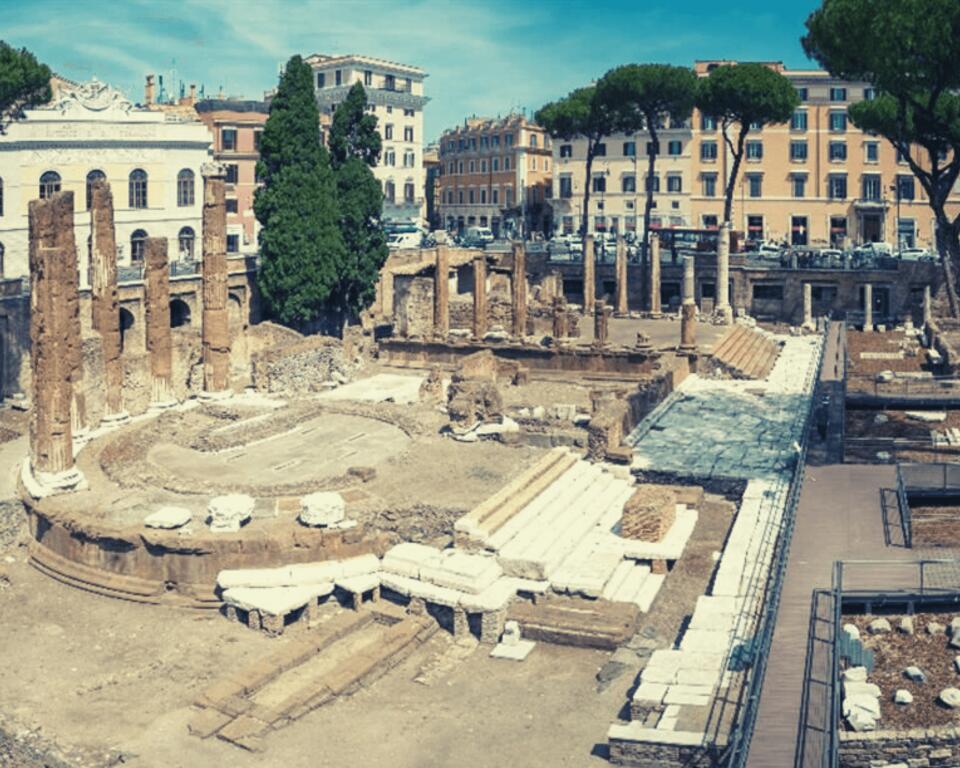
pixel 649 513
pixel 323 508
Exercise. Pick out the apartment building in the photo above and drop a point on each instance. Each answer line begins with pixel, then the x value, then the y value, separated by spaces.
pixel 496 173
pixel 395 95
pixel 236 126
pixel 619 180
pixel 816 181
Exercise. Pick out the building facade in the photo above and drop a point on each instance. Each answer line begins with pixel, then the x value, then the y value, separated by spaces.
pixel 431 185
pixel 89 131
pixel 235 126
pixel 395 95
pixel 817 181
pixel 496 174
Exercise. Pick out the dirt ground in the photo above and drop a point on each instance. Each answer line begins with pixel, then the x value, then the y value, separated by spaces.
pixel 935 525
pixel 894 652
pixel 866 436
pixel 862 372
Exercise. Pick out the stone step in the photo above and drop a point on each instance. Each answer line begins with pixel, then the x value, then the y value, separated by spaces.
pixel 620 574
pixel 573 621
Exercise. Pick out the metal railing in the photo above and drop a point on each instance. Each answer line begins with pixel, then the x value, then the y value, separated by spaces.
pixel 907 385
pixel 741 731
pixel 903 505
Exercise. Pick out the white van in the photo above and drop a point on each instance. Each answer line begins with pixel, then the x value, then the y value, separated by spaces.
pixel 478 237
pixel 403 240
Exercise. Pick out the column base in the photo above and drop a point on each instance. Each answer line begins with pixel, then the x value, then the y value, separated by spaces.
pixel 114 419
pixel 723 315
pixel 42 484
pixel 223 394
pixel 159 406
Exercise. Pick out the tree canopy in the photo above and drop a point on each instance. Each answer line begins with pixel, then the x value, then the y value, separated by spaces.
pixel 301 245
pixel 24 82
pixel 354 149
pixel 747 96
pixel 909 50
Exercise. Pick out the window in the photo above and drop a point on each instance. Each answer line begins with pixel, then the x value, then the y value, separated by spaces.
pixel 798 121
pixel 755 227
pixel 508 139
pixel 471 195
pixel 628 183
pixel 798 230
pixel 257 136
pixel 338 76
pixel 675 148
pixel 2 251
pixel 533 139
pixel 653 148
pixel 508 196
pixel 233 173
pixel 872 187
pixel 228 139
pixel 869 94
pixel 838 186
pixel 599 223
pixel 138 188
pixel 495 196
pixel 137 244
pixel 709 222
pixel 390 192
pixel 185 196
pixel 799 184
pixel 763 292
pixel 802 93
pixel 566 150
pixel 484 142
pixel 408 113
pixel 408 133
pixel 367 77
pixel 231 205
pixel 629 149
pixel 872 151
pixel 798 151
pixel 754 150
pixel 653 183
pixel 709 185
pixel 495 164
pixel 472 166
pixel 708 151
pixel 409 192
pixel 390 158
pixel 838 94
pixel 495 140
pixel 838 122
pixel 483 197
pixel 906 233
pixel 905 187
pixel 388 131
pixel 185 239
pixel 838 150
pixel 674 183
pixel 460 197
pixel 566 187
pixel 599 183
pixel 321 79
pixel 708 123
pixel 755 184
pixel 92 177
pixel 838 230
pixel 506 163
pixel 600 150
pixel 49 184
pixel 233 243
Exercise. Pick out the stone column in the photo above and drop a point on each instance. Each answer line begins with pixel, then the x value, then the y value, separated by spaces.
pixel 559 318
pixel 216 319
pixel 601 315
pixel 54 340
pixel 807 305
pixel 441 293
pixel 867 307
pixel 479 296
pixel 589 275
pixel 927 305
pixel 518 290
pixel 723 310
pixel 688 311
pixel 157 301
pixel 623 301
pixel 655 307
pixel 106 303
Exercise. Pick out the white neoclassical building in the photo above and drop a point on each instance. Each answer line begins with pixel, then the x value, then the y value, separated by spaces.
pixel 152 160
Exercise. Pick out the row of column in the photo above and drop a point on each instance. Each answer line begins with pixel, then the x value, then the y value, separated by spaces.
pixel 58 413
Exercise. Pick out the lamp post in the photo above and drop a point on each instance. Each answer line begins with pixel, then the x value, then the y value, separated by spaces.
pixel 895 187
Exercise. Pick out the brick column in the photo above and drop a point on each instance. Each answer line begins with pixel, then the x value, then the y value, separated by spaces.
pixel 723 309
pixel 589 275
pixel 216 323
pixel 688 312
pixel 479 296
pixel 157 300
pixel 622 288
pixel 518 290
pixel 441 293
pixel 559 318
pixel 54 345
pixel 106 303
pixel 867 308
pixel 601 315
pixel 655 307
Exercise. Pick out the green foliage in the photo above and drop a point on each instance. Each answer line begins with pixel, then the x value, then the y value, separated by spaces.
pixel 639 96
pixel 24 82
pixel 355 148
pixel 301 246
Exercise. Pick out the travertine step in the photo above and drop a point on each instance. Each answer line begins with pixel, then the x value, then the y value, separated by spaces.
pixel 574 621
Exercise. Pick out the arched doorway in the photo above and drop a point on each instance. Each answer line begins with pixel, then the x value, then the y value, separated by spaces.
pixel 179 313
pixel 126 323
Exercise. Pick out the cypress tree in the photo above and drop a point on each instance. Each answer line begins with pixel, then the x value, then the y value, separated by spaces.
pixel 301 247
pixel 354 149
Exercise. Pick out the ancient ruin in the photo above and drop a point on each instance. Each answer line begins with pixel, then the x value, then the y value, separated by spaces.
pixel 216 325
pixel 159 345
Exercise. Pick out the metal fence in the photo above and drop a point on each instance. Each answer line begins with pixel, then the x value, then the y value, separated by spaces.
pixel 903 505
pixel 913 385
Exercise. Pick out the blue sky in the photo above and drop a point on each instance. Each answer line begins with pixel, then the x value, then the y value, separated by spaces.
pixel 484 57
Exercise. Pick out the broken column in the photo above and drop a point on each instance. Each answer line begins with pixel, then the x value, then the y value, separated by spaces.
pixel 518 290
pixel 867 308
pixel 559 318
pixel 724 311
pixel 106 303
pixel 157 300
pixel 688 311
pixel 55 340
pixel 622 296
pixel 479 296
pixel 589 275
pixel 601 315
pixel 441 293
pixel 807 305
pixel 927 305
pixel 216 320
pixel 655 273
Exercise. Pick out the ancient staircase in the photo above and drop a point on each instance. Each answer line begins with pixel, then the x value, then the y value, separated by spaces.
pixel 747 352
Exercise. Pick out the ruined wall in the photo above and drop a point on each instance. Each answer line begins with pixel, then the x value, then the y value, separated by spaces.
pixel 923 746
pixel 305 366
pixel 413 306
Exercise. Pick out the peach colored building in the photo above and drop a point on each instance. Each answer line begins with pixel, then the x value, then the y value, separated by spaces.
pixel 496 174
pixel 816 181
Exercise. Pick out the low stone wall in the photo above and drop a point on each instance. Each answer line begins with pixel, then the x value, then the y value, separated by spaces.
pixel 663 755
pixel 917 747
pixel 305 366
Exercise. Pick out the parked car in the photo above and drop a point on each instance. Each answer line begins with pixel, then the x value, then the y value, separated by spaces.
pixel 478 237
pixel 914 254
pixel 400 240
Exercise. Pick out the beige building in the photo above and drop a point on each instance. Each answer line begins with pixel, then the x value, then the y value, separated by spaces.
pixel 618 182
pixel 496 174
pixel 395 96
pixel 817 181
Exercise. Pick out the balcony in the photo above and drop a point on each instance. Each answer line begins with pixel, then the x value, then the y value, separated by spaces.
pixel 871 203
